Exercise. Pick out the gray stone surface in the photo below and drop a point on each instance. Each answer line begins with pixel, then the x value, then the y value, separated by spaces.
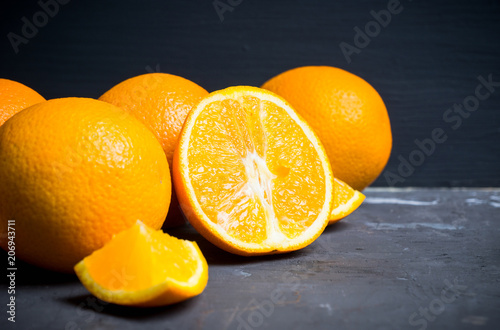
pixel 389 265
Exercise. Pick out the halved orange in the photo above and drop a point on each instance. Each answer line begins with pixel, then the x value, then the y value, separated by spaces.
pixel 251 175
pixel 144 267
pixel 346 200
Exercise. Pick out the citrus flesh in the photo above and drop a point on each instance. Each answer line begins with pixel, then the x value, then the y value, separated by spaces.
pixel 250 174
pixel 144 267
pixel 346 200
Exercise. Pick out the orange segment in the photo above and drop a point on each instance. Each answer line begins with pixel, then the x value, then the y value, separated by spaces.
pixel 144 267
pixel 251 175
pixel 346 201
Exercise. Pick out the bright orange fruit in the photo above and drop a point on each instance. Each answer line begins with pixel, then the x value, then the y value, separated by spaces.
pixel 251 175
pixel 346 201
pixel 161 101
pixel 348 115
pixel 73 172
pixel 143 267
pixel 15 97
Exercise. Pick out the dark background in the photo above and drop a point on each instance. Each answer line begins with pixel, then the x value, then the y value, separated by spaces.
pixel 423 62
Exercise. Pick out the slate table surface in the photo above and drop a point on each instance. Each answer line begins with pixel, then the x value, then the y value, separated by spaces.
pixel 406 259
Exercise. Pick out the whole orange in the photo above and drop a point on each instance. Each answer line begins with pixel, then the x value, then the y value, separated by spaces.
pixel 346 113
pixel 15 97
pixel 161 101
pixel 74 172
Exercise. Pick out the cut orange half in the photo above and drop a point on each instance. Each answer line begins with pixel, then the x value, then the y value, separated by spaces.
pixel 250 174
pixel 346 200
pixel 144 267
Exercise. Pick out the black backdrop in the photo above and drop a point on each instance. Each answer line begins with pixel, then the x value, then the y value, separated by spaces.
pixel 430 56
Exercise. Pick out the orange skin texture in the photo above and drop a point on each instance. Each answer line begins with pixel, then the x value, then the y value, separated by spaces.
pixel 347 114
pixel 75 171
pixel 15 97
pixel 161 101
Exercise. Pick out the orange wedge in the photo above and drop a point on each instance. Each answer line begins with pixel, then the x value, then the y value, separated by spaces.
pixel 250 174
pixel 346 200
pixel 144 267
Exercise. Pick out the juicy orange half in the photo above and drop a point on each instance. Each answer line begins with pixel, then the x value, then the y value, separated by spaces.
pixel 346 201
pixel 250 174
pixel 144 267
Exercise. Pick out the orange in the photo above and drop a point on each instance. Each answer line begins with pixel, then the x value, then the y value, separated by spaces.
pixel 346 201
pixel 15 97
pixel 161 101
pixel 75 171
pixel 348 115
pixel 250 174
pixel 143 267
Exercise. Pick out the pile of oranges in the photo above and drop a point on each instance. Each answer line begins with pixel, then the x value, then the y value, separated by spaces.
pixel 254 170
